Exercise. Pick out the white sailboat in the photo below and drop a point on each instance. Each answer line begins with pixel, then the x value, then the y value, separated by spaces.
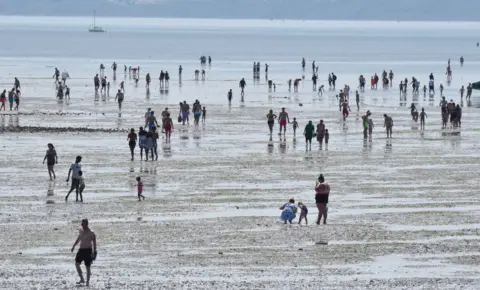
pixel 95 28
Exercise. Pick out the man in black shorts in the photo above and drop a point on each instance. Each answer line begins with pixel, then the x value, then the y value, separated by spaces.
pixel 75 168
pixel 87 252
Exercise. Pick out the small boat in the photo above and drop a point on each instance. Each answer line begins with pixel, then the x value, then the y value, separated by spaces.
pixel 95 28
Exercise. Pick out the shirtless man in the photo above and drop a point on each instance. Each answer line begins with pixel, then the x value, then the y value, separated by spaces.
pixel 119 97
pixel 185 112
pixel 388 124
pixel 151 121
pixel 283 119
pixel 345 110
pixel 87 252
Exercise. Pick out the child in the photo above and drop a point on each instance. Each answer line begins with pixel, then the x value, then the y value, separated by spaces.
pixel 370 126
pixel 67 92
pixel 423 116
pixel 295 126
pixel 140 188
pixel 81 186
pixel 326 136
pixel 108 88
pixel 204 114
pixel 288 211
pixel 303 213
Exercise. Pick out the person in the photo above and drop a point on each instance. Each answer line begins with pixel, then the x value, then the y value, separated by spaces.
pixel 148 144
pixel 122 86
pixel 320 132
pixel 142 139
pixel 132 141
pixel 87 252
pixel 185 112
pixel 357 99
pixel 303 213
pixel 321 90
pixel 154 143
pixel 365 124
pixel 3 99
pixel 11 97
pixel 96 82
pixel 120 97
pixel 283 119
pixel 81 185
pixel 140 189
pixel 423 116
pixel 151 121
pixel 204 114
pixel 17 84
pixel 370 127
pixel 345 110
pixel 74 170
pixel 295 126
pixel 289 211
pixel 308 133
pixel 17 100
pixel 242 85
pixel 462 90
pixel 444 119
pixel 322 192
pixel 388 124
pixel 196 116
pixel 271 120
pixel 52 159
pixel 230 96
pixel 56 74
pixel 168 126
pixel 327 136
pixel 67 92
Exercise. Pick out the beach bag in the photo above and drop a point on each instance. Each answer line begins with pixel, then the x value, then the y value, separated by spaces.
pixel 180 119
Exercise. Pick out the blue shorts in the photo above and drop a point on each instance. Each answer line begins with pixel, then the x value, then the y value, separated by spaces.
pixel 185 115
pixel 197 114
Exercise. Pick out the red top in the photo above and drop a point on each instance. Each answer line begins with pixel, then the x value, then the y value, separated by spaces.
pixel 140 186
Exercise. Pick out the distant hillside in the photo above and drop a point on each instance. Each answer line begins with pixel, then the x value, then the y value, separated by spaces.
pixel 428 10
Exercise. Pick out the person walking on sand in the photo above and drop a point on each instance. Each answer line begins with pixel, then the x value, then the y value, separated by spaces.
pixel 74 170
pixel 423 116
pixel 320 132
pixel 271 121
pixel 52 159
pixel 132 141
pixel 322 191
pixel 388 124
pixel 3 99
pixel 283 119
pixel 167 127
pixel 119 97
pixel 140 189
pixel 308 133
pixel 11 98
pixel 242 85
pixel 87 253
pixel 16 98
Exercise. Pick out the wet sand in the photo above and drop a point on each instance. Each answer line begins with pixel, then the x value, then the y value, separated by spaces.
pixel 403 212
